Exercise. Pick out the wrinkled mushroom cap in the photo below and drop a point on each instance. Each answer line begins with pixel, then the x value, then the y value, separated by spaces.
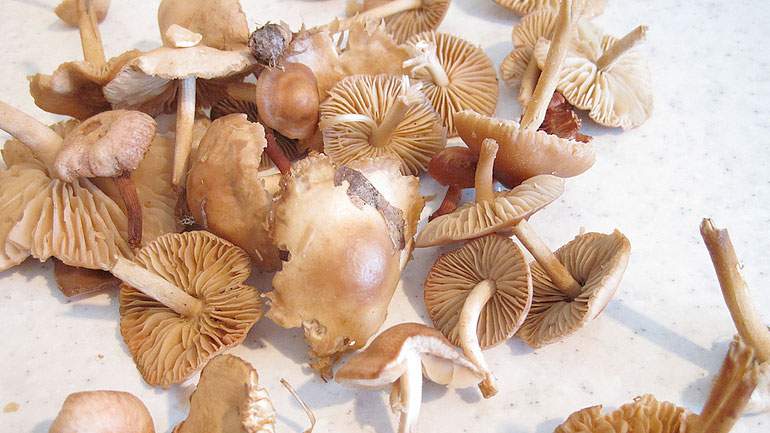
pixel 102 412
pixel 455 274
pixel 167 347
pixel 523 153
pixel 408 23
pixel 524 7
pixel 645 414
pixel 597 261
pixel 67 10
pixel 222 23
pixel 287 100
pixel 473 220
pixel 454 166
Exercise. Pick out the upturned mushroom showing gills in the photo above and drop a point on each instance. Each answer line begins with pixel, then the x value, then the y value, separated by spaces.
pixel 348 230
pixel 478 297
pixel 522 8
pixel 102 412
pixel 383 115
pixel 456 75
pixel 184 301
pixel 287 100
pixel 221 23
pixel 455 168
pixel 398 358
pixel 403 18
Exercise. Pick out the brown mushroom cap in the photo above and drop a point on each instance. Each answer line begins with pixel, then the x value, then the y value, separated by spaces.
pixel 222 23
pixel 168 347
pixel 102 412
pixel 454 166
pixel 74 281
pixel 403 25
pixel 592 8
pixel 67 10
pixel 287 100
pixel 524 153
pixel 597 261
pixel 374 116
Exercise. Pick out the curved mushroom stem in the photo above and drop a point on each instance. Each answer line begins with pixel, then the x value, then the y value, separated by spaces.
pixel 410 394
pixel 735 290
pixel 390 8
pixel 156 287
pixel 275 153
pixel 528 81
pixel 305 407
pixel 128 193
pixel 556 271
pixel 484 181
pixel 40 139
pixel 621 47
pixel 90 39
pixel 393 117
pixel 449 204
pixel 467 327
pixel 424 56
pixel 242 91
pixel 185 119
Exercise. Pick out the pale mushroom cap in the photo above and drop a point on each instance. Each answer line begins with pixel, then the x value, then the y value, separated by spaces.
pixel 167 347
pixel 514 64
pixel 222 23
pixel 644 411
pixel 471 73
pixel 287 100
pixel 493 258
pixel 597 261
pixel 102 412
pixel 67 11
pixel 405 24
pixel 199 61
pixel 524 7
pixel 416 139
pixel 524 154
pixel 473 220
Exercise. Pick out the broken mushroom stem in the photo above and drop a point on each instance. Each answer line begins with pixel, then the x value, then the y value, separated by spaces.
pixel 621 47
pixel 185 119
pixel 90 39
pixel 449 204
pixel 467 333
pixel 275 153
pixel 424 56
pixel 305 407
pixel 484 181
pixel 409 394
pixel 396 113
pixel 529 81
pixel 242 91
pixel 128 193
pixel 40 139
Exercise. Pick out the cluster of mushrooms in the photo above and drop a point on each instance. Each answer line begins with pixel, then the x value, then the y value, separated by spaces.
pixel 183 169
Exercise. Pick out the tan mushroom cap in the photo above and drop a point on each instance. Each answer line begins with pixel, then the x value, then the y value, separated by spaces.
pixel 456 75
pixel 525 7
pixel 102 412
pixel 597 262
pixel 473 220
pixel 383 115
pixel 424 16
pixel 67 10
pixel 524 153
pixel 287 100
pixel 168 347
pixel 222 23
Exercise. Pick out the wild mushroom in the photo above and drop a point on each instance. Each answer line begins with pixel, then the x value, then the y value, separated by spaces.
pixel 85 14
pixel 403 18
pixel 102 412
pixel 399 357
pixel 456 75
pixel 81 281
pixel 287 100
pixel 527 7
pixel 68 11
pixel 349 230
pixel 478 297
pixel 455 168
pixel 184 301
pixel 221 23
pixel 383 115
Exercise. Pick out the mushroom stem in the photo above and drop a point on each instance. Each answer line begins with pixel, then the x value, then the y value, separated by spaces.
pixel 467 326
pixel 242 91
pixel 156 287
pixel 484 181
pixel 534 112
pixel 410 393
pixel 384 131
pixel 90 39
pixel 449 204
pixel 621 47
pixel 128 193
pixel 305 407
pixel 528 81
pixel 185 119
pixel 40 139
pixel 275 153
pixel 425 57
pixel 558 274
pixel 390 8
pixel 735 290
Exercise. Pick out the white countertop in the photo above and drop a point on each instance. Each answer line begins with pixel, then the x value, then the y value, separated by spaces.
pixel 703 153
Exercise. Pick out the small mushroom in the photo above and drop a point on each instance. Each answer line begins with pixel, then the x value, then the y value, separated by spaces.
pixel 455 168
pixel 478 297
pixel 287 100
pixel 85 14
pixel 403 18
pixel 102 412
pixel 67 11
pixel 456 75
pixel 527 7
pixel 399 357
pixel 383 115
pixel 221 23
pixel 184 301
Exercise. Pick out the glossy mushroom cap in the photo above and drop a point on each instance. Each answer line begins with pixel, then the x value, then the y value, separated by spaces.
pixel 67 10
pixel 592 8
pixel 402 25
pixel 287 100
pixel 102 412
pixel 222 23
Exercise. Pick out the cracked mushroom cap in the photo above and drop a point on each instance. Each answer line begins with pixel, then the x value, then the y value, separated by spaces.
pixel 525 7
pixel 222 23
pixel 168 347
pixel 597 261
pixel 471 77
pixel 403 25
pixel 374 116
pixel 524 153
pixel 287 100
pixel 473 220
pixel 67 10
pixel 455 274
pixel 102 412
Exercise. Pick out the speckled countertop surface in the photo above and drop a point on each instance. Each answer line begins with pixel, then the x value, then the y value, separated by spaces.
pixel 703 153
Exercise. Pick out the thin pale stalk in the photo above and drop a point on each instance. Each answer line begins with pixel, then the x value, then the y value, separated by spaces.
pixel 393 117
pixel 128 193
pixel 90 38
pixel 305 407
pixel 484 180
pixel 185 119
pixel 40 139
pixel 467 326
pixel 621 47
pixel 556 271
pixel 411 394
pixel 528 82
pixel 156 287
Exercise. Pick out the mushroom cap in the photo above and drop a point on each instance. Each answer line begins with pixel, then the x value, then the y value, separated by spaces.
pixel 406 24
pixel 67 10
pixel 102 412
pixel 524 153
pixel 229 399
pixel 383 361
pixel 646 413
pixel 473 220
pixel 222 23
pixel 167 347
pixel 472 77
pixel 455 274
pixel 74 281
pixel 414 141
pixel 525 7
pixel 237 206
pixel 454 166
pixel 597 261
pixel 287 100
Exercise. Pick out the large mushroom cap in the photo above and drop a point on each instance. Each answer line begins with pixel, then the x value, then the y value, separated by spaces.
pixel 67 10
pixel 287 100
pixel 374 116
pixel 592 8
pixel 597 261
pixel 473 220
pixel 524 153
pixel 222 23
pixel 168 347
pixel 427 16
pixel 102 412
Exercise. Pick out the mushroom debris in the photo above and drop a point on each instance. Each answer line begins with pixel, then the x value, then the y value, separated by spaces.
pixel 403 18
pixel 102 412
pixel 455 168
pixel 591 8
pixel 348 231
pixel 399 357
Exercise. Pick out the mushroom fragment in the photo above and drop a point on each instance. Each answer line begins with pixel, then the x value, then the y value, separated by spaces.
pixel 221 23
pixel 591 8
pixel 562 121
pixel 80 281
pixel 383 115
pixel 403 18
pixel 456 75
pixel 184 301
pixel 399 357
pixel 287 100
pixel 102 412
pixel 478 297
pixel 454 167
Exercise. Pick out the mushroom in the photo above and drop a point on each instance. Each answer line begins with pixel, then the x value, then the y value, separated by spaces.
pixel 102 412
pixel 455 168
pixel 68 11
pixel 349 230
pixel 527 7
pixel 456 75
pixel 562 121
pixel 184 301
pixel 478 297
pixel 221 23
pixel 383 115
pixel 85 14
pixel 74 281
pixel 403 18
pixel 287 100
pixel 399 357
